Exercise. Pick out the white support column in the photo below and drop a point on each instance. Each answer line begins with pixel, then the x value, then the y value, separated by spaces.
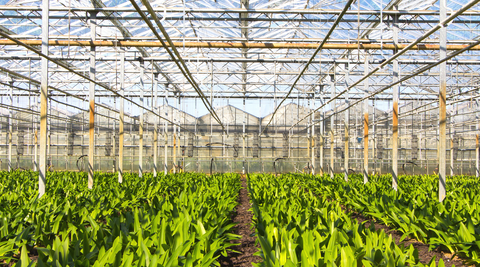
pixel 477 162
pixel 322 141
pixel 42 166
pixel 10 129
pixel 347 137
pixel 332 127
pixel 442 128
pixel 140 122
pixel 313 139
pixel 244 136
pixel 120 126
pixel 35 157
pixel 165 133
pixel 155 126
pixel 91 139
pixel 451 156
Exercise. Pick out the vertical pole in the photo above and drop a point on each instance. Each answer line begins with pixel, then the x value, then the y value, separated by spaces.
pixel 91 144
pixel 477 163
pixel 10 129
pixel 442 107
pixel 175 140
pixel 140 123
pixel 313 140
pixel 174 150
pixel 165 132
pixel 35 163
pixel 321 142
pixel 243 135
pixel 155 125
pixel 332 126
pixel 365 126
pixel 396 90
pixel 451 156
pixel 42 174
pixel 346 125
pixel 120 126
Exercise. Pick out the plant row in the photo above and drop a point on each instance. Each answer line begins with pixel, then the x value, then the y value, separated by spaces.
pixel 452 225
pixel 145 221
pixel 296 227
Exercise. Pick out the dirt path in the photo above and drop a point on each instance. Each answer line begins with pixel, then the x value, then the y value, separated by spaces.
pixel 243 218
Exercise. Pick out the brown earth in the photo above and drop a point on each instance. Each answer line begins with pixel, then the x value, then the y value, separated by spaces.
pixel 243 217
pixel 424 255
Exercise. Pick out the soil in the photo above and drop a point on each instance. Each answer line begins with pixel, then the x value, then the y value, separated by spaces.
pixel 424 254
pixel 243 217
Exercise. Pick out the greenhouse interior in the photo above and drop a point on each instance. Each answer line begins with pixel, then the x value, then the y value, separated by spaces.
pixel 251 88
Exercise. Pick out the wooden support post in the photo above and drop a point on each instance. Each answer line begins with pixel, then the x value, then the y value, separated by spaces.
pixel 442 107
pixel 140 123
pixel 42 166
pixel 365 125
pixel 91 140
pixel 121 124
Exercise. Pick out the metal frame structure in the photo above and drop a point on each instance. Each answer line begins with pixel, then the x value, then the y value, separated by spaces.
pixel 283 75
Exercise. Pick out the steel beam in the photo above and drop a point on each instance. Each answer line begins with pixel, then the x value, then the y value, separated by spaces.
pixel 442 99
pixel 313 11
pixel 42 166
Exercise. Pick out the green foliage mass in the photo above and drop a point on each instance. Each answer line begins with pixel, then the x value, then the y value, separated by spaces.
pixel 173 220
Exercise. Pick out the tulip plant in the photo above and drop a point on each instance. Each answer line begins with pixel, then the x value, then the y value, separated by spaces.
pixel 298 226
pixel 171 220
pixel 452 225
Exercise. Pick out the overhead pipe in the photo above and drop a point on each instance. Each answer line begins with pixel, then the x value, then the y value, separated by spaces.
pixel 252 60
pixel 234 10
pixel 249 45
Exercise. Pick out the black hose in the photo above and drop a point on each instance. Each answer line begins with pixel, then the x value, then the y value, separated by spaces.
pixel 211 166
pixel 408 162
pixel 79 158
